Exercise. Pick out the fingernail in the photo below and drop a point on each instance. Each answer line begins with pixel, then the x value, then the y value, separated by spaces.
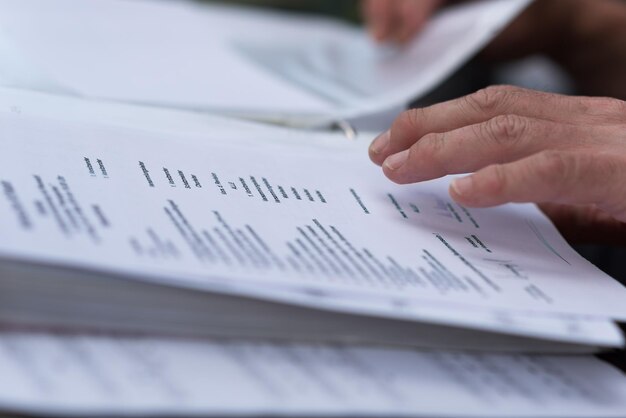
pixel 396 160
pixel 463 186
pixel 380 143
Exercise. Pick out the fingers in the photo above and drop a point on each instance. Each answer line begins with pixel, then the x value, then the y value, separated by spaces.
pixel 412 17
pixel 379 15
pixel 549 176
pixel 499 140
pixel 522 146
pixel 397 20
pixel 479 107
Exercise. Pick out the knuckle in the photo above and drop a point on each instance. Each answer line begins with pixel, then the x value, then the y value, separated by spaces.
pixel 432 142
pixel 582 105
pixel 431 145
pixel 430 148
pixel 400 127
pixel 610 107
pixel 417 117
pixel 408 121
pixel 555 163
pixel 506 129
pixel 497 180
pixel 490 98
pixel 602 109
pixel 560 169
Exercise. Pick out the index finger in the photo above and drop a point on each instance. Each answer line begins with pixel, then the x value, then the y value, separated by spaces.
pixel 476 108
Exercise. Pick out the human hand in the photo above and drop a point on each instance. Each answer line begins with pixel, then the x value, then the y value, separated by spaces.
pixel 397 20
pixel 567 153
pixel 586 37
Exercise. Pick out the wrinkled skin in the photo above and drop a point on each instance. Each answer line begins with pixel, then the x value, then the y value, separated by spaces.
pixel 566 153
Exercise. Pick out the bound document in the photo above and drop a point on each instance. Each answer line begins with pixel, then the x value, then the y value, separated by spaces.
pixel 161 222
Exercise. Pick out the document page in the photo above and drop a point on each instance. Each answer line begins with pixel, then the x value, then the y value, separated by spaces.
pixel 230 59
pixel 586 330
pixel 201 210
pixel 358 77
pixel 162 53
pixel 79 375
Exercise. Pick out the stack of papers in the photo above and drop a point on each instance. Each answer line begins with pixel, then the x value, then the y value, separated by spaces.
pixel 98 238
pixel 162 223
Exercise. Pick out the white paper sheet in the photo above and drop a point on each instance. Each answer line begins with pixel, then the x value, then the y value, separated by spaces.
pixel 79 375
pixel 319 220
pixel 164 120
pixel 573 328
pixel 232 60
